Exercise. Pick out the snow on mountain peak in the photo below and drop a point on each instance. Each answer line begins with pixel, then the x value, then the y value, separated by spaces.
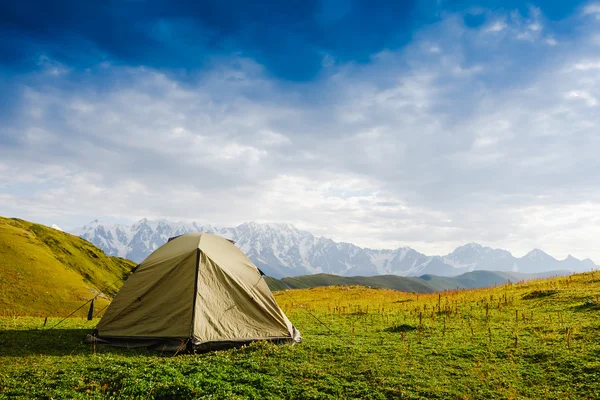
pixel 468 248
pixel 93 223
pixel 536 254
pixel 280 249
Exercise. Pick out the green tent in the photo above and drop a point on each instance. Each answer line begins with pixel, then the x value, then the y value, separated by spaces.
pixel 197 291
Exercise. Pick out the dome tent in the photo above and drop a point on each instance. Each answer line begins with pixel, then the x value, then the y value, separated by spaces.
pixel 197 291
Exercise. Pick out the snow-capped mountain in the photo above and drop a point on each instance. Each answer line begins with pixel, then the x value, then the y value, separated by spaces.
pixel 472 255
pixel 282 250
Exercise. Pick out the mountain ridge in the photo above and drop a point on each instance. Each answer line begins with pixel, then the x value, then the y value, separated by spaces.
pixel 421 284
pixel 281 250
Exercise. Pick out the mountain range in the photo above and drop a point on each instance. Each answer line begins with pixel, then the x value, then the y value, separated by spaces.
pixel 281 250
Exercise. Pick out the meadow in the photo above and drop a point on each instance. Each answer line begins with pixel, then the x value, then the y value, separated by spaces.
pixel 539 339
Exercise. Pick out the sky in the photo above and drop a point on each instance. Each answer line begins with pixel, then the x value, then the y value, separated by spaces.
pixel 416 123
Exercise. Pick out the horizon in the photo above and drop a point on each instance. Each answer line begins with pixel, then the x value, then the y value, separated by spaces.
pixel 424 124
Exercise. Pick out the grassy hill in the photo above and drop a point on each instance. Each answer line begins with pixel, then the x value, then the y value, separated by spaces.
pixel 47 272
pixel 533 340
pixel 422 284
pixel 394 282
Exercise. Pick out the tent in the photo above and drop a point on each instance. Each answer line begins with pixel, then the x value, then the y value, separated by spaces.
pixel 198 291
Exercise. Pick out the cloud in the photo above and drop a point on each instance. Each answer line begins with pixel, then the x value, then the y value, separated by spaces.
pixel 587 65
pixel 592 9
pixel 497 26
pixel 488 138
pixel 587 97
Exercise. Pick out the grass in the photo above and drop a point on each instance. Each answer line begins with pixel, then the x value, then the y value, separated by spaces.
pixel 47 272
pixel 496 343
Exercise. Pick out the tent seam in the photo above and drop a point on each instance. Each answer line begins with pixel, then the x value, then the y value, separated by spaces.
pixel 193 325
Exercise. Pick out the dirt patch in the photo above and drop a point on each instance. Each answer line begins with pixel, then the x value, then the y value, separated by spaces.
pixel 588 305
pixel 538 294
pixel 401 328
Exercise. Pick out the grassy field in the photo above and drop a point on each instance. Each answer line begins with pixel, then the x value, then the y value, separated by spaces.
pixel 535 340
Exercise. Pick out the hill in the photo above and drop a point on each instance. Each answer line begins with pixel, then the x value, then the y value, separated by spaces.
pixel 405 284
pixel 421 284
pixel 44 271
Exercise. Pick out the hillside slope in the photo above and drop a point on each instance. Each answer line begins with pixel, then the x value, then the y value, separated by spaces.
pixel 404 284
pixel 422 284
pixel 44 271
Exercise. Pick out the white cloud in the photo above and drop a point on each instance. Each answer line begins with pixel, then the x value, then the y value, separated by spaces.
pixel 587 65
pixel 536 27
pixel 496 26
pixel 587 97
pixel 420 147
pixel 592 9
pixel 527 27
pixel 51 67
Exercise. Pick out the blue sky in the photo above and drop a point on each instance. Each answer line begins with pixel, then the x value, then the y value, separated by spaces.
pixel 382 123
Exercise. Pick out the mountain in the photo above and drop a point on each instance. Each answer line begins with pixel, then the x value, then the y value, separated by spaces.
pixel 54 226
pixel 44 271
pixel 282 250
pixel 472 255
pixel 421 284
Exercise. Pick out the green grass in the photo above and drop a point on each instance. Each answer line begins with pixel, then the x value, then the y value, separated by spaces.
pixel 539 339
pixel 47 272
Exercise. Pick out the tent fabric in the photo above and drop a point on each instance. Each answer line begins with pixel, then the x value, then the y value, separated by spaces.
pixel 197 289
